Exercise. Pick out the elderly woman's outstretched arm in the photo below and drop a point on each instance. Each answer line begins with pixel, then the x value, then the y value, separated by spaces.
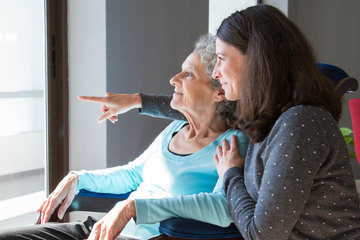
pixel 153 105
pixel 159 106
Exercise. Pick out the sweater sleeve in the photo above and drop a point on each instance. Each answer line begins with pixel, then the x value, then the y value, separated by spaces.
pixel 291 155
pixel 159 106
pixel 206 207
pixel 117 180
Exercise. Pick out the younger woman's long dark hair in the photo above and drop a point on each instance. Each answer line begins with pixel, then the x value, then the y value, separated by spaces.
pixel 280 69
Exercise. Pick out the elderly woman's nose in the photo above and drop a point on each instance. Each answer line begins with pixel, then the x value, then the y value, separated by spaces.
pixel 174 80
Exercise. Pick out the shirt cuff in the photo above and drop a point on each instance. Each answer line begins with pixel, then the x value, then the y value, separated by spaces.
pixel 146 102
pixel 141 211
pixel 229 174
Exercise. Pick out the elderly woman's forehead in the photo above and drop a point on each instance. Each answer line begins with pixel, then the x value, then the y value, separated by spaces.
pixel 194 60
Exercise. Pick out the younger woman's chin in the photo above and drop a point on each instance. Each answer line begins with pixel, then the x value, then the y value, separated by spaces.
pixel 231 96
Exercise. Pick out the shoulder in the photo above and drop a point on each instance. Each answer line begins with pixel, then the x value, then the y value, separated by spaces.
pixel 242 139
pixel 300 115
pixel 303 122
pixel 239 135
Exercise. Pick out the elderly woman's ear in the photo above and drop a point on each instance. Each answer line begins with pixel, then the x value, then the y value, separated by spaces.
pixel 220 96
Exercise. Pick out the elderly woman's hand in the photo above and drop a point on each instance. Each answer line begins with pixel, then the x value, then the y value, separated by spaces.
pixel 63 194
pixel 228 157
pixel 111 225
pixel 113 104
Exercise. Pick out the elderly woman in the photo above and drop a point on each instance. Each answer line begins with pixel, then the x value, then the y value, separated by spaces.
pixel 174 177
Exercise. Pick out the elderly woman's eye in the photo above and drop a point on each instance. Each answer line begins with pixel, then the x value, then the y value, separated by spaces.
pixel 188 74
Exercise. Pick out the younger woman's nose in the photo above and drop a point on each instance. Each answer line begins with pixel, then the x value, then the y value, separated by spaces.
pixel 216 72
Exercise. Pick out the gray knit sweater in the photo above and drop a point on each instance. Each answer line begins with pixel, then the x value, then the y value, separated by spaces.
pixel 296 184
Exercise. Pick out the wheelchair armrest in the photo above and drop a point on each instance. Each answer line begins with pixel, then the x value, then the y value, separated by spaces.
pixel 95 202
pixel 187 228
pixel 347 85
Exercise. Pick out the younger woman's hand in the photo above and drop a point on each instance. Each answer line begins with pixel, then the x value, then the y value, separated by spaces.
pixel 111 225
pixel 227 157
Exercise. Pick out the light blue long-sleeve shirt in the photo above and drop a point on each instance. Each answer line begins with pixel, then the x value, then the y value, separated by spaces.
pixel 167 185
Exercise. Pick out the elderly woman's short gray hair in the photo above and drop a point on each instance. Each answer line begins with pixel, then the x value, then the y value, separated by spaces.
pixel 205 46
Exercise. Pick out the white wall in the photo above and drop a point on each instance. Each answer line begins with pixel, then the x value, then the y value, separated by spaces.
pixel 218 11
pixel 280 4
pixel 87 76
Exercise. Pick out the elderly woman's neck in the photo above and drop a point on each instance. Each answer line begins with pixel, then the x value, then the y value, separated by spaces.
pixel 205 125
pixel 199 133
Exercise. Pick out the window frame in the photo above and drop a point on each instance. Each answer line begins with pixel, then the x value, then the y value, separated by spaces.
pixel 57 93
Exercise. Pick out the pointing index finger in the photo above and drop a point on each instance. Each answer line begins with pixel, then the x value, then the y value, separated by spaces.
pixel 93 99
